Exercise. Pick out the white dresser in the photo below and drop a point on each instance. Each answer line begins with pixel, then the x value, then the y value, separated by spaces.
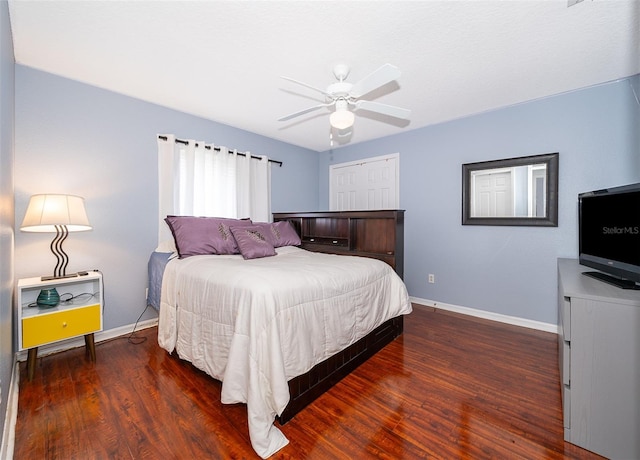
pixel 599 358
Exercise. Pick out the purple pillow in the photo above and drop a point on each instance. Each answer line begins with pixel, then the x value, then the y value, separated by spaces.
pixel 253 242
pixel 279 233
pixel 265 229
pixel 204 235
pixel 283 234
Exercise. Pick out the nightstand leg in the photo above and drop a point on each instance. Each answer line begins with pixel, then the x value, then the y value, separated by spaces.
pixel 90 346
pixel 32 356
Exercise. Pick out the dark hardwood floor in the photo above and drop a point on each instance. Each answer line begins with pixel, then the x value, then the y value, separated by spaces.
pixel 452 387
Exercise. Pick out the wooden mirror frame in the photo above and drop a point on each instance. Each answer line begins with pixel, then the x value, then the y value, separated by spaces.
pixel 551 201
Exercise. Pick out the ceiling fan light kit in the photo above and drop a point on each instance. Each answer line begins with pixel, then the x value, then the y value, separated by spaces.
pixel 342 118
pixel 347 97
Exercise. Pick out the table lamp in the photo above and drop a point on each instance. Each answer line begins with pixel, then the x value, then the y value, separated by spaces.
pixel 60 214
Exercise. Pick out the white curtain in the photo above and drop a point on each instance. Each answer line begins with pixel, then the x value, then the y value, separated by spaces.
pixel 195 180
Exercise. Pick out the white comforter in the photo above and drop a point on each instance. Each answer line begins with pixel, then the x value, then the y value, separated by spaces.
pixel 255 324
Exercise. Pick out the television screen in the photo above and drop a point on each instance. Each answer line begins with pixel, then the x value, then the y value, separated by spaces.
pixel 610 231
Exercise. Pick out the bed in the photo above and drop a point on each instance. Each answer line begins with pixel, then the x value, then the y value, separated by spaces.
pixel 276 330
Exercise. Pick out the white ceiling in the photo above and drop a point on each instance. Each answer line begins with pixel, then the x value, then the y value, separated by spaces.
pixel 222 60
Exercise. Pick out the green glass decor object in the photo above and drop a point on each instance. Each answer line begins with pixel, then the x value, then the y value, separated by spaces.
pixel 48 298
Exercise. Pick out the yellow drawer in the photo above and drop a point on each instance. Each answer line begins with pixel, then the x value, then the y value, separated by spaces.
pixel 46 328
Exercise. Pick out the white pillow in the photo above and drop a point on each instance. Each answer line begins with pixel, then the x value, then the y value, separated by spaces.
pixel 167 246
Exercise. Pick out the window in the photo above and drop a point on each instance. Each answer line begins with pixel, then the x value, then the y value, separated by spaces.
pixel 197 179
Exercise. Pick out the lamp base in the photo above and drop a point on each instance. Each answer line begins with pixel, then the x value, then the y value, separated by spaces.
pixel 49 278
pixel 48 298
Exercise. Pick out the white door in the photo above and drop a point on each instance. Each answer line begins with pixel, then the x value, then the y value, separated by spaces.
pixel 371 183
pixel 493 195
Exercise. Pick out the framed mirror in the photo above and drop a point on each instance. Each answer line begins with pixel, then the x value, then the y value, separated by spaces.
pixel 516 191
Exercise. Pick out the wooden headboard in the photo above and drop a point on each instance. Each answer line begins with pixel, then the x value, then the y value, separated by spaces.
pixel 374 234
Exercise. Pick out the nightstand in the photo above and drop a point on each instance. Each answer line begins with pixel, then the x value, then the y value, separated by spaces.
pixel 82 315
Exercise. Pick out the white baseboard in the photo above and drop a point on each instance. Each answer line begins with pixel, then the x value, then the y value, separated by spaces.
pixel 79 341
pixel 11 415
pixel 514 320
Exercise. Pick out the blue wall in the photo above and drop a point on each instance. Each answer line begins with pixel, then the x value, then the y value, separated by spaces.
pixel 505 270
pixel 75 138
pixel 79 139
pixel 7 64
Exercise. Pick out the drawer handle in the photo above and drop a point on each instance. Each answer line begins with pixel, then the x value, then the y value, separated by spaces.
pixel 335 241
pixel 64 324
pixel 312 239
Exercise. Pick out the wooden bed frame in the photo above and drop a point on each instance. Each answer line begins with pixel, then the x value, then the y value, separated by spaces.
pixel 306 388
pixel 374 234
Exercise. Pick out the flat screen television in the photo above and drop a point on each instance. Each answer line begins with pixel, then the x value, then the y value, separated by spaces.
pixel 609 234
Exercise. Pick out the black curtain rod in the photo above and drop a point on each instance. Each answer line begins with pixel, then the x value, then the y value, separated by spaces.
pixel 217 149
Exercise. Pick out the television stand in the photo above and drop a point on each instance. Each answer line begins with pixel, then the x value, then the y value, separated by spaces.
pixel 619 282
pixel 598 338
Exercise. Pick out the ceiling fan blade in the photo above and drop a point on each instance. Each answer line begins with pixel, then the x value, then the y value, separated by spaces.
pixel 308 86
pixel 384 109
pixel 302 112
pixel 375 80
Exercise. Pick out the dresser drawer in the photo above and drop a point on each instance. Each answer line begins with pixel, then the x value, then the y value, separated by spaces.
pixel 566 407
pixel 51 327
pixel 566 318
pixel 566 363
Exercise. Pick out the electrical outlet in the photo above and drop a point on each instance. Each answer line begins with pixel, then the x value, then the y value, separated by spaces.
pixel 432 278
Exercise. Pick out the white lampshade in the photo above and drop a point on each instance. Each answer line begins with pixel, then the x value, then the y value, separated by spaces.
pixel 46 211
pixel 342 118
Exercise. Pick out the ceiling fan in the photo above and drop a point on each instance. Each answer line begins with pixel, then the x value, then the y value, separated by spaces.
pixel 347 97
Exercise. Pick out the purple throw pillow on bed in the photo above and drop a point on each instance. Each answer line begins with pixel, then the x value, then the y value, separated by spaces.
pixel 265 228
pixel 279 233
pixel 252 241
pixel 204 235
pixel 283 234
